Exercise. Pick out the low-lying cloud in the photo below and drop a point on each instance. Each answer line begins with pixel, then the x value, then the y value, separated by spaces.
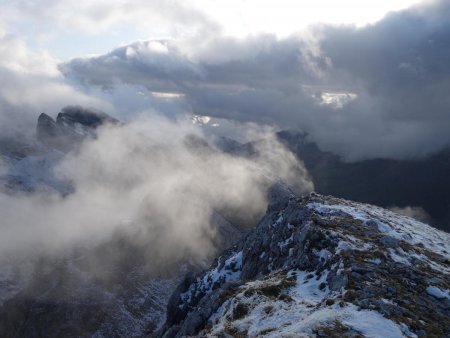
pixel 415 212
pixel 157 181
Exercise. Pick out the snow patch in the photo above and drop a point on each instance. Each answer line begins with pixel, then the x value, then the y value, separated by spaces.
pixel 438 293
pixel 398 226
pixel 229 271
pixel 370 324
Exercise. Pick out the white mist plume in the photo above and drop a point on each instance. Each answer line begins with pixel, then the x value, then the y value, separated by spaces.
pixel 415 212
pixel 157 181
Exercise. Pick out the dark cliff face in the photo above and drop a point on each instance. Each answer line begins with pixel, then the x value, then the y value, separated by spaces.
pixel 91 118
pixel 319 265
pixel 47 127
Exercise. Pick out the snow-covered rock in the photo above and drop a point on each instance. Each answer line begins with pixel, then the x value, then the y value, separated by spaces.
pixel 322 267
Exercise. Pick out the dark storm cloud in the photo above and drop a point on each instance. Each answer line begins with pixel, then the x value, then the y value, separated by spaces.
pixel 157 65
pixel 377 91
pixel 401 66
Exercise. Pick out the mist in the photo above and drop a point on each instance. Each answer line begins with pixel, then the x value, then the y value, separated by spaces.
pixel 415 212
pixel 156 181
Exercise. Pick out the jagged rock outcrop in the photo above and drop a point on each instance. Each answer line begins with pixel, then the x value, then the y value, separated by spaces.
pixel 72 116
pixel 47 127
pixel 56 136
pixel 72 125
pixel 326 267
pixel 29 165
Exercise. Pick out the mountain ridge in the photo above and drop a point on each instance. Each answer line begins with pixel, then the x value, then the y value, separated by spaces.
pixel 322 266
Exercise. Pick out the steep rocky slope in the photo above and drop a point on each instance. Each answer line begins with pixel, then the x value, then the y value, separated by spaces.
pixel 326 267
pixel 110 290
pixel 63 299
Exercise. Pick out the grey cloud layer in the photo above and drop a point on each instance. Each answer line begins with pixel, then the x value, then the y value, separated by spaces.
pixel 398 68
pixel 155 65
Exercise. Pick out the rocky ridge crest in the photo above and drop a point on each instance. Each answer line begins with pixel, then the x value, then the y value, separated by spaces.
pixel 322 266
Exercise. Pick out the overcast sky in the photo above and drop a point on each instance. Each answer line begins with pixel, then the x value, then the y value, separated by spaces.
pixel 364 79
pixel 75 28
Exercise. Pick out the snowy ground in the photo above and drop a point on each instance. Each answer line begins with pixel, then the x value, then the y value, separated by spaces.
pixel 297 303
pixel 300 313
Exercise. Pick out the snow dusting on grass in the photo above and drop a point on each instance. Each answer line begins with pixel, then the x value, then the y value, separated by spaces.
pixel 229 271
pixel 398 226
pixel 299 310
pixel 342 269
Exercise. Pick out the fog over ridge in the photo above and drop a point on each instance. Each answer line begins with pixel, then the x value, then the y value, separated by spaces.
pixel 156 179
pixel 378 91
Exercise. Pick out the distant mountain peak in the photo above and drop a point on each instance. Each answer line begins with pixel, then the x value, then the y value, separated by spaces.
pixel 92 118
pixel 72 125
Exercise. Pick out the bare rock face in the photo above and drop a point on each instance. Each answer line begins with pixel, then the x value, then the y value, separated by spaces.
pixel 47 127
pixel 326 267
pixel 27 163
pixel 56 136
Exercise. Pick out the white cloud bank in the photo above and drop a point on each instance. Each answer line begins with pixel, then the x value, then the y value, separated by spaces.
pixel 157 181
